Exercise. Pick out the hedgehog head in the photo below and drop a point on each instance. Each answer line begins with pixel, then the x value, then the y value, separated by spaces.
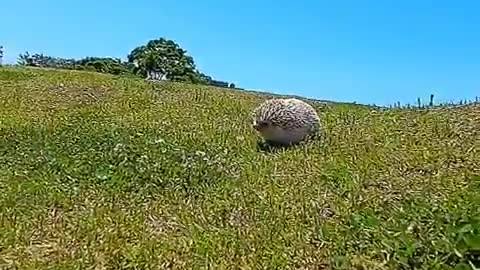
pixel 267 129
pixel 266 120
pixel 272 114
pixel 261 125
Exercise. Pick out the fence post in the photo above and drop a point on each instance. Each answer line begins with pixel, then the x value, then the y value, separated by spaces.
pixel 1 55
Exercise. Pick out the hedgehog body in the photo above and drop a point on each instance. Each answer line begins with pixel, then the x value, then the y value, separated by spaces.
pixel 285 120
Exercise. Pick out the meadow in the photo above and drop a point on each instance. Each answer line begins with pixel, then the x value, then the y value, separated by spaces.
pixel 107 172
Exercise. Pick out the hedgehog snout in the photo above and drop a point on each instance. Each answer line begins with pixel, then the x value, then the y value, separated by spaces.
pixel 260 125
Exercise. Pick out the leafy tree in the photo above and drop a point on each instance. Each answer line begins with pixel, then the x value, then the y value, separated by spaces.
pixel 105 65
pixel 41 60
pixel 167 57
pixel 97 64
pixel 25 59
pixel 159 57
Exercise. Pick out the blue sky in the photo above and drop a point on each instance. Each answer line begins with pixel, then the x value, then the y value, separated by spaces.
pixel 367 51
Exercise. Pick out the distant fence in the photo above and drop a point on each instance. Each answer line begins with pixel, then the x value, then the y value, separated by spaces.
pixel 431 104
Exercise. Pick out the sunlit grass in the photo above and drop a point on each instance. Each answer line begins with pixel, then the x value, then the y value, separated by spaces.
pixel 104 172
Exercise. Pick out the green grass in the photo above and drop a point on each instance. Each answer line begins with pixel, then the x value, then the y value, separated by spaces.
pixel 104 172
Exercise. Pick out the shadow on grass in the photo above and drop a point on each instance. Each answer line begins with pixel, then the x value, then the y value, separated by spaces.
pixel 271 147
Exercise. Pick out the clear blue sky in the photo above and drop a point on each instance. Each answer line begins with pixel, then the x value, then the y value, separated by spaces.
pixel 367 51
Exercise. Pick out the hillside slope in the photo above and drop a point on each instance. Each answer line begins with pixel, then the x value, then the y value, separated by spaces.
pixel 104 172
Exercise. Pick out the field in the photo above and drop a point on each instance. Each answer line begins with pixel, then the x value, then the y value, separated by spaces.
pixel 105 172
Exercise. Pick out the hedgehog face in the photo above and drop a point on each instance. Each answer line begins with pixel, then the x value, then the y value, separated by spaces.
pixel 261 125
pixel 267 129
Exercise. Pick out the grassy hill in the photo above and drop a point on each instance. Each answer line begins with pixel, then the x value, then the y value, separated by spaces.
pixel 104 172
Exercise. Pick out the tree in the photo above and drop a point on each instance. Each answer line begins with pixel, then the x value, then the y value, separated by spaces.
pixel 104 65
pixel 164 56
pixel 203 78
pixel 158 59
pixel 41 60
pixel 98 64
pixel 25 59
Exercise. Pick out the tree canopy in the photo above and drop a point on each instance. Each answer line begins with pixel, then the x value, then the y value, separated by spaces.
pixel 161 55
pixel 97 64
pixel 165 56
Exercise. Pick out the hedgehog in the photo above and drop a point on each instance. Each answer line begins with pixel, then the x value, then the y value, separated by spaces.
pixel 285 121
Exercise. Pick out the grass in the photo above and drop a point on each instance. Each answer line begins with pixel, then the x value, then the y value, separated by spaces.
pixel 104 172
